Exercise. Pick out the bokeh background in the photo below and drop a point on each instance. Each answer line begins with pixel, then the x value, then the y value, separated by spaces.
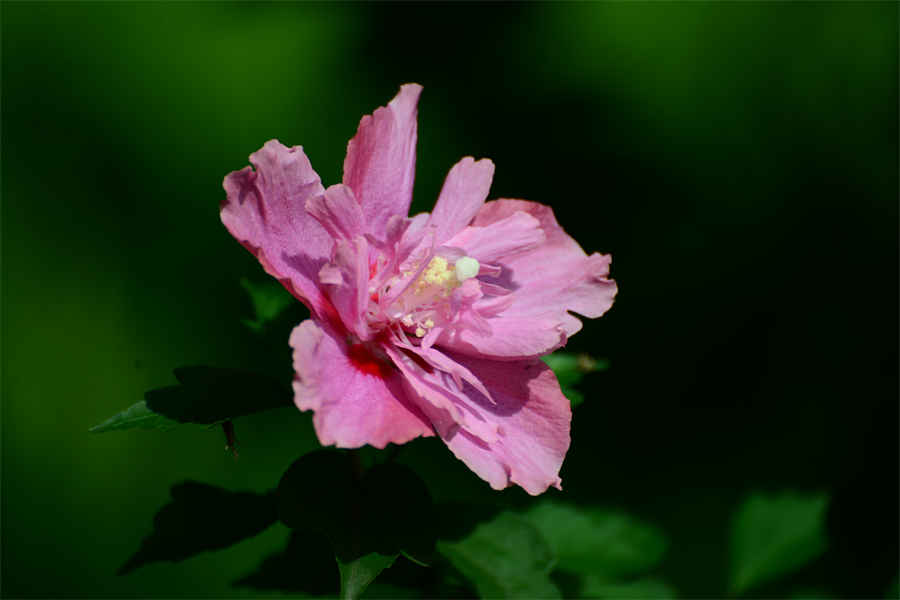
pixel 739 161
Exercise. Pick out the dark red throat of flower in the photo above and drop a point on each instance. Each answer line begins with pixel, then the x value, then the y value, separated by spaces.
pixel 364 356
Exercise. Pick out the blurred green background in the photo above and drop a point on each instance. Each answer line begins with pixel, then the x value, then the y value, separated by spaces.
pixel 739 161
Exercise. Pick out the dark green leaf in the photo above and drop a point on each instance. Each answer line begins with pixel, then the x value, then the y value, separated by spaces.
pixel 269 300
pixel 317 493
pixel 201 518
pixel 570 369
pixel 596 541
pixel 504 558
pixel 400 513
pixel 357 574
pixel 640 589
pixel 387 591
pixel 773 535
pixel 369 520
pixel 305 566
pixel 206 395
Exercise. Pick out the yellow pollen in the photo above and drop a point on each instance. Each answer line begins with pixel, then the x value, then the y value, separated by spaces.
pixel 438 274
pixel 428 323
pixel 420 332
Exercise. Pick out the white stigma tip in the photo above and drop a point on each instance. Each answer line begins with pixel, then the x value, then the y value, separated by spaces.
pixel 466 268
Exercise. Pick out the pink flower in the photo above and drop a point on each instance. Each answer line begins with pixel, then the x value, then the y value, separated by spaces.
pixel 426 325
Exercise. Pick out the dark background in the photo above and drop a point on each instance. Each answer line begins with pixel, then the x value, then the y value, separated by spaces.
pixel 739 161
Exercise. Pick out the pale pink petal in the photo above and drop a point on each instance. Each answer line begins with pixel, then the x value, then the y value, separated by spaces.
pixel 501 239
pixel 440 398
pixel 546 281
pixel 381 159
pixel 357 396
pixel 346 283
pixel 506 338
pixel 265 210
pixel 464 192
pixel 338 212
pixel 440 361
pixel 533 420
pixel 555 277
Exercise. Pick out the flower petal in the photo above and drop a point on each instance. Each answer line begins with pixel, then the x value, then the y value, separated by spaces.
pixel 501 239
pixel 357 396
pixel 507 337
pixel 338 212
pixel 547 280
pixel 554 277
pixel 464 192
pixel 381 159
pixel 345 282
pixel 440 398
pixel 533 420
pixel 265 210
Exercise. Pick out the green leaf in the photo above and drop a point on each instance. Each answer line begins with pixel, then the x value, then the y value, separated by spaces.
pixel 570 369
pixel 357 574
pixel 601 542
pixel 775 534
pixel 269 300
pixel 201 518
pixel 640 589
pixel 504 558
pixel 205 395
pixel 136 416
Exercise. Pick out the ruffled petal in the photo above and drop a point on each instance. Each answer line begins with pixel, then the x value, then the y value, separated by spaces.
pixel 501 239
pixel 357 396
pixel 506 337
pixel 338 212
pixel 265 210
pixel 547 279
pixel 533 421
pixel 345 283
pixel 554 277
pixel 441 399
pixel 381 159
pixel 464 192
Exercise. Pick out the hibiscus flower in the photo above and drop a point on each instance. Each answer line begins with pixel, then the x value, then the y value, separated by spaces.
pixel 425 325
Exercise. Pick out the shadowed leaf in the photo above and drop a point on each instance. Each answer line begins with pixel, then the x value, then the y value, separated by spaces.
pixel 305 566
pixel 604 543
pixel 504 558
pixel 201 518
pixel 775 534
pixel 205 395
pixel 369 520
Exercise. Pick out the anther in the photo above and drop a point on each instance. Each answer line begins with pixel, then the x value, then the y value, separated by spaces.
pixel 466 268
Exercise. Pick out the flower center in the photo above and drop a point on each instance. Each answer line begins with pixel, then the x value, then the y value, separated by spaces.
pixel 426 301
